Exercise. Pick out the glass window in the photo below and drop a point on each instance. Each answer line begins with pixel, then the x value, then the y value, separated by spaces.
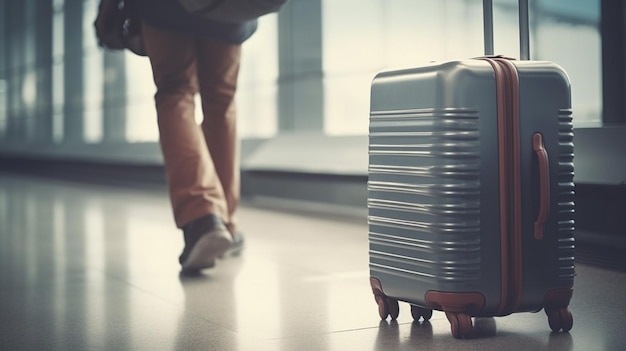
pixel 567 32
pixel 4 112
pixel 92 77
pixel 386 35
pixel 3 108
pixel 58 71
pixel 141 122
pixel 257 109
pixel 360 39
pixel 380 35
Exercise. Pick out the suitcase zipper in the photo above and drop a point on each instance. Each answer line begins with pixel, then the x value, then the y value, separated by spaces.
pixel 507 97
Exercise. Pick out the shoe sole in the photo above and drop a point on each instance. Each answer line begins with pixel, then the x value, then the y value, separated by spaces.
pixel 235 248
pixel 206 250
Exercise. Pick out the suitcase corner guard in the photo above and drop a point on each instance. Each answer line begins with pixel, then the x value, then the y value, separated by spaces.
pixel 459 308
pixel 556 304
pixel 386 305
pixel 471 303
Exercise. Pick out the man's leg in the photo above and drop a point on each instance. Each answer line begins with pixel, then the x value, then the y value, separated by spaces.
pixel 218 68
pixel 194 186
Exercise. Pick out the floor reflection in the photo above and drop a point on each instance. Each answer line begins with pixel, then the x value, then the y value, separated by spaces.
pixel 90 267
pixel 484 328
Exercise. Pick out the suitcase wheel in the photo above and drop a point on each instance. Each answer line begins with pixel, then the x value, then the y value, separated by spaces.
pixel 460 324
pixel 387 307
pixel 420 312
pixel 394 308
pixel 567 319
pixel 560 319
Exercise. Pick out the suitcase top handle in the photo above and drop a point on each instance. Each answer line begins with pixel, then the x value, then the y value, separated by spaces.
pixel 523 28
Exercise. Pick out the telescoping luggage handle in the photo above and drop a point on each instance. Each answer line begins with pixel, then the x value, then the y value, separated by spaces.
pixel 523 28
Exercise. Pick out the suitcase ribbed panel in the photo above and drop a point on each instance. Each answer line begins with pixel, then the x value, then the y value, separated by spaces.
pixel 424 206
pixel 566 197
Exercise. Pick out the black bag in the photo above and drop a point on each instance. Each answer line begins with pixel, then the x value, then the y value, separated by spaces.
pixel 118 26
pixel 231 11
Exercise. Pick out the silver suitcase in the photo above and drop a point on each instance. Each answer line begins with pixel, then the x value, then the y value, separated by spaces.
pixel 470 191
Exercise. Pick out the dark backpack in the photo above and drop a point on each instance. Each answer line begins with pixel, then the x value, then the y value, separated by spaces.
pixel 118 26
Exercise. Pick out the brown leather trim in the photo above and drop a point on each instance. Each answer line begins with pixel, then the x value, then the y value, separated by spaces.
pixel 504 194
pixel 558 298
pixel 515 185
pixel 509 164
pixel 377 286
pixel 470 303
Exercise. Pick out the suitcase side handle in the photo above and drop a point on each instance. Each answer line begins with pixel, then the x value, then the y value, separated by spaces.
pixel 544 185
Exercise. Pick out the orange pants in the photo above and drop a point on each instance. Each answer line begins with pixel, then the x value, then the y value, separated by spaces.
pixel 201 161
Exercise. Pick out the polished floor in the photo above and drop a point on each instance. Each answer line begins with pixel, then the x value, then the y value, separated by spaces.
pixel 94 267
